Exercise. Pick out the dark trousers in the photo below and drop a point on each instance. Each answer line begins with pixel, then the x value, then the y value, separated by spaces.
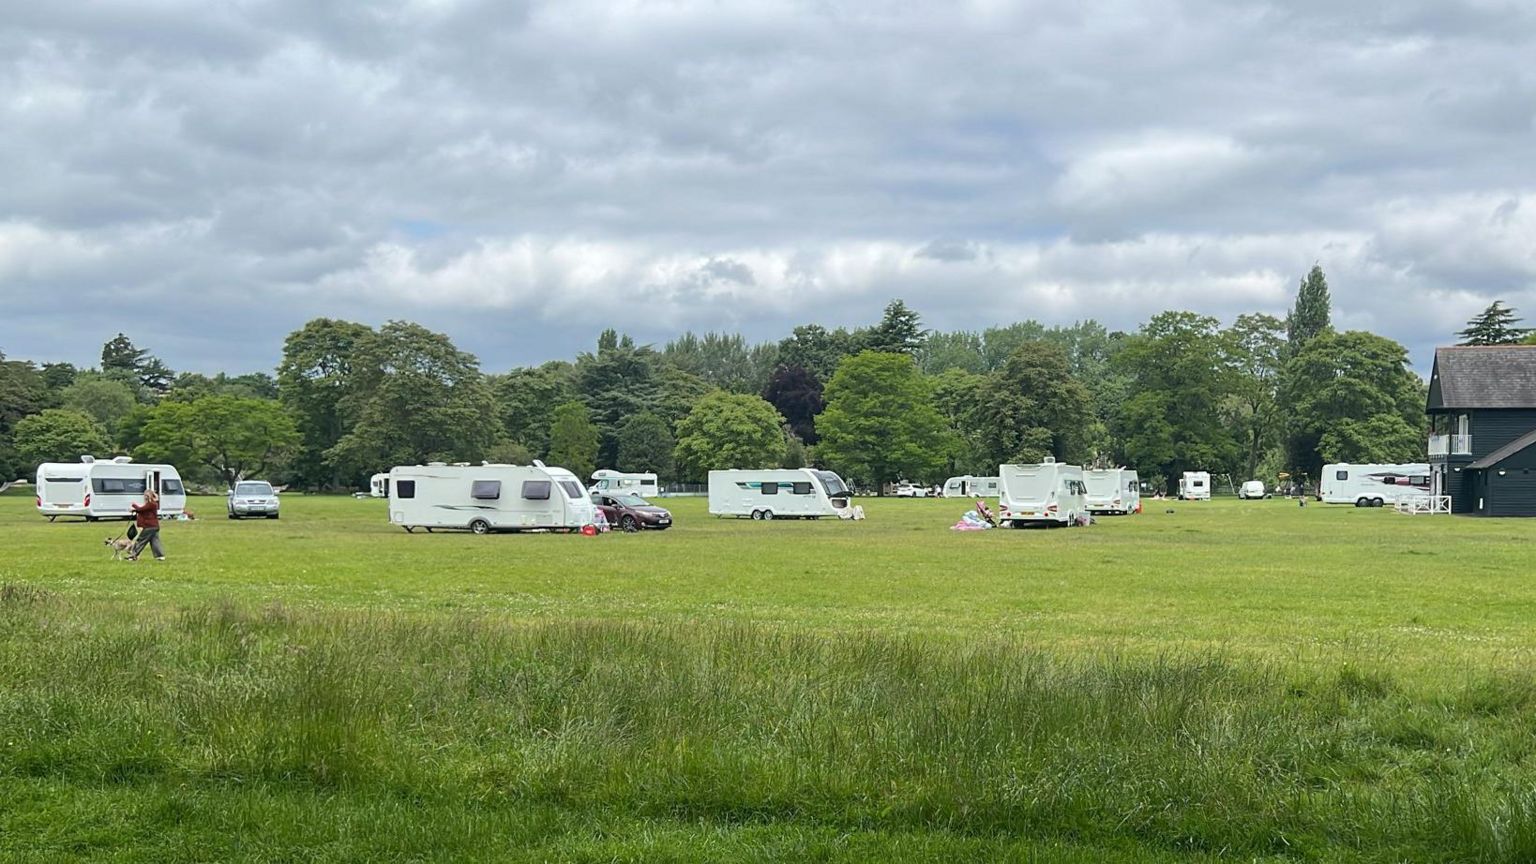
pixel 150 537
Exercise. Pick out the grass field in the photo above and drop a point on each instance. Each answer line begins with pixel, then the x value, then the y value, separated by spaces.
pixel 1243 681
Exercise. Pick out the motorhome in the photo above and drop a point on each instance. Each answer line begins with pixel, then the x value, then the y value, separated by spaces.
pixel 488 497
pixel 967 486
pixel 1373 485
pixel 606 480
pixel 1050 493
pixel 1195 486
pixel 1113 490
pixel 106 488
pixel 778 493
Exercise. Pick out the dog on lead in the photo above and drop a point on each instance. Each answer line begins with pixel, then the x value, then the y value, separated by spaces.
pixel 119 546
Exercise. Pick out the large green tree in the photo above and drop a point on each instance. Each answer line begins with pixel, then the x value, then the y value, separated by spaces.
pixel 415 397
pixel 729 430
pixel 814 347
pixel 313 378
pixel 1178 381
pixel 232 437
pixel 119 355
pixel 961 349
pixel 23 391
pixel 1312 314
pixel 724 360
pixel 646 444
pixel 1353 378
pixel 574 439
pixel 57 435
pixel 900 331
pixel 880 424
pixel 1255 345
pixel 1032 407
pixel 102 399
pixel 1494 326
pixel 616 382
pixel 526 400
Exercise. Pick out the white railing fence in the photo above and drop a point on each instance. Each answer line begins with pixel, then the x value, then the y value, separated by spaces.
pixel 1424 504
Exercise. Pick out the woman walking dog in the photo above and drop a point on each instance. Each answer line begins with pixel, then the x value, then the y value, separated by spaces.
pixel 146 517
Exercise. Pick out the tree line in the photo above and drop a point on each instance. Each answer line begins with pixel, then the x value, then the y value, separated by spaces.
pixel 1256 398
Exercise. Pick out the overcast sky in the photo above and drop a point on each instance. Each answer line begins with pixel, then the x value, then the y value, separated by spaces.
pixel 208 176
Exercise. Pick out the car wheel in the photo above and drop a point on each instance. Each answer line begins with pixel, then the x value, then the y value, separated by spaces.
pixel 272 516
pixel 480 526
pixel 232 516
pixel 629 524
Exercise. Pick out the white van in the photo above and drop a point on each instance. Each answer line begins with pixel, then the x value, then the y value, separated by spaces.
pixel 487 498
pixel 106 489
pixel 1252 490
pixel 1195 486
pixel 1113 490
pixel 608 481
pixel 967 486
pixel 777 493
pixel 1373 485
pixel 1050 493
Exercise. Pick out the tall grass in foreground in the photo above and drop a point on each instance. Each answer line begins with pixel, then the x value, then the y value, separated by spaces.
pixel 733 724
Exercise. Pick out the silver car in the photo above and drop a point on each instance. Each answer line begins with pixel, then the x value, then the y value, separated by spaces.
pixel 252 498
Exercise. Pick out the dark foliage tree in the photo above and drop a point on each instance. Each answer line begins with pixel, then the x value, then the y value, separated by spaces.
pixel 1312 314
pixel 645 444
pixel 526 400
pixel 900 331
pixel 315 376
pixel 615 382
pixel 1494 326
pixel 1033 407
pixel 573 439
pixel 1352 378
pixel 818 349
pixel 796 393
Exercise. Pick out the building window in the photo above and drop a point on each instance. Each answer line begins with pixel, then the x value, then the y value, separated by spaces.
pixel 405 488
pixel 485 490
pixel 770 488
pixel 536 490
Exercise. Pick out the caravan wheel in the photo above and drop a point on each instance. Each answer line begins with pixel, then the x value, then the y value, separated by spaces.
pixel 757 515
pixel 767 515
pixel 1361 502
pixel 1377 502
pixel 480 526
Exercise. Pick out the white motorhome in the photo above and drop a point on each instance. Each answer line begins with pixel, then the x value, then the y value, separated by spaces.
pixel 1113 490
pixel 485 498
pixel 1050 493
pixel 106 488
pixel 1373 485
pixel 1195 486
pixel 778 493
pixel 967 486
pixel 606 480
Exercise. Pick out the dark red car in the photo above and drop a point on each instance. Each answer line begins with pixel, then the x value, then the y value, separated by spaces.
pixel 629 512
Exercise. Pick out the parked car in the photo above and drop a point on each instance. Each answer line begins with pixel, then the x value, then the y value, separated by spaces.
pixel 253 498
pixel 1252 490
pixel 630 512
pixel 911 490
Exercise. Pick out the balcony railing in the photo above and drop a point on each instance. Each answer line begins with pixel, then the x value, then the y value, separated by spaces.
pixel 1450 445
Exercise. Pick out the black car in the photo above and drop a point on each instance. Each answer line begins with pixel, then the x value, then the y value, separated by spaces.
pixel 631 512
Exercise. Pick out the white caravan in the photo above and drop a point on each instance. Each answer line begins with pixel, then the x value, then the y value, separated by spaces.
pixel 1195 486
pixel 378 486
pixel 1113 490
pixel 105 489
pixel 1050 493
pixel 966 486
pixel 485 498
pixel 605 480
pixel 777 493
pixel 1373 485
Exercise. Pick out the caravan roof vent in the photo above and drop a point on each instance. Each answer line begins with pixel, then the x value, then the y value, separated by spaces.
pixel 87 459
pixel 122 460
pixel 1049 460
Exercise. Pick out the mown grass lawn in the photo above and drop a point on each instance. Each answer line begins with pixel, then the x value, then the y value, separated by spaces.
pixel 1230 680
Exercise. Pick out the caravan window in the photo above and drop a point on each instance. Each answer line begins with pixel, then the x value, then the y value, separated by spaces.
pixel 536 490
pixel 572 489
pixel 118 486
pixel 1130 486
pixel 1341 475
pixel 485 490
pixel 172 486
pixel 47 479
pixel 801 488
pixel 405 488
pixel 770 488
pixel 831 483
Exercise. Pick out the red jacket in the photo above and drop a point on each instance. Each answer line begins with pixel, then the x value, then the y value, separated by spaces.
pixel 146 515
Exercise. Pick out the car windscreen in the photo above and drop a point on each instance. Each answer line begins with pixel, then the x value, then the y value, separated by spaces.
pixel 572 489
pixel 253 489
pixel 631 500
pixel 832 483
